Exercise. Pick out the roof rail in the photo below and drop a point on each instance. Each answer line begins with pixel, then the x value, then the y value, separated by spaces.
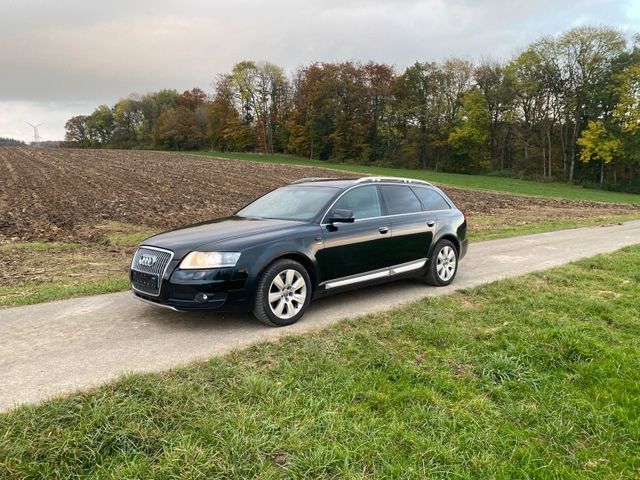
pixel 391 179
pixel 313 179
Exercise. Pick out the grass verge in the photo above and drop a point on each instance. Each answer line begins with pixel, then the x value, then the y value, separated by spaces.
pixel 533 377
pixel 36 272
pixel 29 293
pixel 478 182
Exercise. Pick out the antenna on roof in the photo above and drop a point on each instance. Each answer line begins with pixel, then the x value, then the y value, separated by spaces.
pixel 36 134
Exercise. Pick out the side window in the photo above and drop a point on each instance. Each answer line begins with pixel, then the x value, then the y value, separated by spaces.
pixel 431 199
pixel 400 199
pixel 362 201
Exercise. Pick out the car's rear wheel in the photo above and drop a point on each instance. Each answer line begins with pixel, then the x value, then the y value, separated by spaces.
pixel 283 293
pixel 443 265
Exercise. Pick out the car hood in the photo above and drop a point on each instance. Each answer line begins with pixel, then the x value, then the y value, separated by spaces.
pixel 183 240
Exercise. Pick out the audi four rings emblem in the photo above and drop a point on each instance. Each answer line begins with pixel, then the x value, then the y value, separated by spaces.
pixel 147 260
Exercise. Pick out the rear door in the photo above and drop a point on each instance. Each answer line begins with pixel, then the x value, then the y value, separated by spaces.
pixel 412 228
pixel 358 247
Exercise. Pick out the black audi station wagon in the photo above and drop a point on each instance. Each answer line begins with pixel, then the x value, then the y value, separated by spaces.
pixel 313 237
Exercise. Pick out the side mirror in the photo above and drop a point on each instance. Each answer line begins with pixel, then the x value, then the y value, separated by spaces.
pixel 340 215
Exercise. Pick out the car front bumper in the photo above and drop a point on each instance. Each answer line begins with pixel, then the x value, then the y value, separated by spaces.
pixel 222 289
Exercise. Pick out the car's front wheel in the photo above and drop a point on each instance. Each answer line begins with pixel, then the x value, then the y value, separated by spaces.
pixel 283 293
pixel 443 265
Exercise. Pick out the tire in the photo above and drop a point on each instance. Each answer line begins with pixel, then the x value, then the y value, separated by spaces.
pixel 443 264
pixel 278 283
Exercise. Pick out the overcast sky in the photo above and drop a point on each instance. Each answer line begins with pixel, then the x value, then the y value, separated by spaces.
pixel 62 58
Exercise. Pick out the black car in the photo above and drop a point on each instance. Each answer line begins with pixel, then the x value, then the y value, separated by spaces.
pixel 302 241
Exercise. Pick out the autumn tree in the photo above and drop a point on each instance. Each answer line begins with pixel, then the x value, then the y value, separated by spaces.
pixel 100 125
pixel 585 55
pixel 261 93
pixel 77 131
pixel 469 138
pixel 178 130
pixel 498 96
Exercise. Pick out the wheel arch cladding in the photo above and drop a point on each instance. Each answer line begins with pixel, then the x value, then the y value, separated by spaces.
pixel 297 257
pixel 447 236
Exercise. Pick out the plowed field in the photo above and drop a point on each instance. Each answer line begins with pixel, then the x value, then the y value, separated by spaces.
pixel 66 194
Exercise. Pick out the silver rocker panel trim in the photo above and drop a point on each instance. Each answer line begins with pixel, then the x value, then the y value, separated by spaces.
pixel 382 273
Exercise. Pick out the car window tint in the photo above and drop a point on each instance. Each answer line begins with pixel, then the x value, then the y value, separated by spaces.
pixel 400 199
pixel 362 201
pixel 431 199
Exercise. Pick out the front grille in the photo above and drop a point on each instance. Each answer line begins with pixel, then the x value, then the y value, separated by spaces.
pixel 152 262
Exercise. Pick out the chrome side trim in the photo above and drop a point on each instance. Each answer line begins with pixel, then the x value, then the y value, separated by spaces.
pixel 160 277
pixel 360 278
pixel 386 272
pixel 384 216
pixel 408 267
pixel 169 307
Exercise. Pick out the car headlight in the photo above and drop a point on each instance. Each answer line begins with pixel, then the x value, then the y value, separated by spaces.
pixel 197 260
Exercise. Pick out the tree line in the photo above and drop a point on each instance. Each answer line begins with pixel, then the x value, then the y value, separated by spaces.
pixel 10 142
pixel 566 107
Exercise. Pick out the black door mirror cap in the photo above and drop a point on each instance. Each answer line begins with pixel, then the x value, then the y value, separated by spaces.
pixel 341 215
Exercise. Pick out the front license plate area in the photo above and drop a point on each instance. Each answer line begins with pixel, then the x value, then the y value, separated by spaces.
pixel 148 281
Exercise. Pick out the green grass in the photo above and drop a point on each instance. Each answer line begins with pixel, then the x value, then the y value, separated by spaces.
pixel 67 270
pixel 533 377
pixel 121 234
pixel 31 292
pixel 550 226
pixel 479 182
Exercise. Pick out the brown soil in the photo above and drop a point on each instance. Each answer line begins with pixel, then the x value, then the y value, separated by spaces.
pixel 85 262
pixel 66 194
pixel 63 194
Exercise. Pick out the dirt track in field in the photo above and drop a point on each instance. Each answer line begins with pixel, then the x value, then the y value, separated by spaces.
pixel 66 194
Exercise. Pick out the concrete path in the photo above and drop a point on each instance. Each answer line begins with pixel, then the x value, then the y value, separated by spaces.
pixel 57 347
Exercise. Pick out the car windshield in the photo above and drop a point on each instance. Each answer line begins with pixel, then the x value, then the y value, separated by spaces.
pixel 295 202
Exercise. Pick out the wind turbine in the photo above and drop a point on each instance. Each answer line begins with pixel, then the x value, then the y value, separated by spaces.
pixel 36 134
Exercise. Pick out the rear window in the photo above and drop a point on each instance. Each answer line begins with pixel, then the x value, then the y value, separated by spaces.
pixel 400 199
pixel 431 199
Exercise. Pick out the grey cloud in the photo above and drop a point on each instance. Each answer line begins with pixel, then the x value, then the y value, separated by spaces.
pixel 81 51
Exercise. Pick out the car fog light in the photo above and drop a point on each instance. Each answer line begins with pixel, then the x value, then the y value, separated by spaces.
pixel 201 297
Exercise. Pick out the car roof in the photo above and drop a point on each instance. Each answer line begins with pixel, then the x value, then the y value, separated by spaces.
pixel 346 182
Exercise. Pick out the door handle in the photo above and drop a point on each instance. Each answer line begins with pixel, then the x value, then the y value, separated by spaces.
pixel 383 230
pixel 431 223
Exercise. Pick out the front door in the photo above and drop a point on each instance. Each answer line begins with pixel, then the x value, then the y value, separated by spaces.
pixel 358 247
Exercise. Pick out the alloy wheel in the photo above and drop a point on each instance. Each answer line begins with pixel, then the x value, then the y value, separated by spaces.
pixel 287 293
pixel 446 263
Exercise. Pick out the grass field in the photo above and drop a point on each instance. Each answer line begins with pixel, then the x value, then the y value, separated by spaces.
pixel 478 182
pixel 533 377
